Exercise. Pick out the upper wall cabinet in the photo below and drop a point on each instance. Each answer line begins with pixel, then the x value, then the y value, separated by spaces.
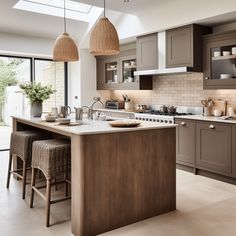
pixel 147 52
pixel 220 61
pixel 184 47
pixel 117 73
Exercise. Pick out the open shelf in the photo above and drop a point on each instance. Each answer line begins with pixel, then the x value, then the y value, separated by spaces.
pixel 223 57
pixel 111 69
pixel 130 67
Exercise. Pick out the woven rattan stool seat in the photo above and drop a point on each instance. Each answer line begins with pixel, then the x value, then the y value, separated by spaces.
pixel 21 143
pixel 52 157
pixel 21 146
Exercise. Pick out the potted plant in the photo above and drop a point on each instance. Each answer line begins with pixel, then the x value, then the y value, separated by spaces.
pixel 37 93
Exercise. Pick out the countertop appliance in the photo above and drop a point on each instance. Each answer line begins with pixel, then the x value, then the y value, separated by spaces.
pixel 155 115
pixel 115 104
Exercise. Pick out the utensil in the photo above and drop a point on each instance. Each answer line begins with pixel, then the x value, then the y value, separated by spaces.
pixel 225 76
pixel 231 111
pixel 217 113
pixel 64 111
pixel 54 111
pixel 50 117
pixel 233 50
pixel 226 53
pixel 164 109
pixel 217 54
pixel 171 109
pixel 78 113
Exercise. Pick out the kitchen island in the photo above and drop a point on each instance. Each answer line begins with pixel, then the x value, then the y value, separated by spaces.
pixel 119 175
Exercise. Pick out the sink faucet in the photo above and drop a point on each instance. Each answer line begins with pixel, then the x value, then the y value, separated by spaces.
pixel 95 101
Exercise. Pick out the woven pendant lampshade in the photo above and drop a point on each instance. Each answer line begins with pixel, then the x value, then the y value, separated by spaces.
pixel 65 49
pixel 104 39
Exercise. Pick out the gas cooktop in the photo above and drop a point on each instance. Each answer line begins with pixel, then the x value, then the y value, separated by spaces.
pixel 161 113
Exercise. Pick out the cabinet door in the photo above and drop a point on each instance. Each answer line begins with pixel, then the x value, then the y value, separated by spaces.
pixel 179 47
pixel 185 142
pixel 108 73
pixel 219 64
pixel 213 147
pixel 147 52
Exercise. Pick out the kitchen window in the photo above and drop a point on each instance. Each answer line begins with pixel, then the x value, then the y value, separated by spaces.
pixel 48 72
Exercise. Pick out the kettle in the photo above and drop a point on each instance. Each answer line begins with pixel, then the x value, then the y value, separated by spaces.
pixel 78 113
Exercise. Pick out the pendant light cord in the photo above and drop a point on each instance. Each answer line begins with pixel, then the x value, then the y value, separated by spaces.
pixel 65 16
pixel 104 8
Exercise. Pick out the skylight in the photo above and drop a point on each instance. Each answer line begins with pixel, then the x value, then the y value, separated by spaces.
pixel 74 10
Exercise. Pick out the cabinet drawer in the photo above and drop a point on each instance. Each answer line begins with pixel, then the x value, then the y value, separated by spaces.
pixel 185 142
pixel 214 147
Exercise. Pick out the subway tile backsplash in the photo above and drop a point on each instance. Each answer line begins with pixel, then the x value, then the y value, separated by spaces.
pixel 181 89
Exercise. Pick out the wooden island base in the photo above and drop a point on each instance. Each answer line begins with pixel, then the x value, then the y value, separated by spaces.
pixel 119 178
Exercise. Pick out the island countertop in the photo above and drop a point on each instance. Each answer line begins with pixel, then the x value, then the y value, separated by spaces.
pixel 89 126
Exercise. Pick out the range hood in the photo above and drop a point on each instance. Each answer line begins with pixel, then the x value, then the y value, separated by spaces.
pixel 162 61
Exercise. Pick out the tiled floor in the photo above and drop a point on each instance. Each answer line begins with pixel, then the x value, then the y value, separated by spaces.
pixel 5 133
pixel 206 207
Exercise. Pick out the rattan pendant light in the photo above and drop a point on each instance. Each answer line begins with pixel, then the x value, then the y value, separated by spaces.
pixel 104 39
pixel 65 49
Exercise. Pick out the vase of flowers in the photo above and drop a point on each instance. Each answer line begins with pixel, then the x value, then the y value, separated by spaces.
pixel 37 93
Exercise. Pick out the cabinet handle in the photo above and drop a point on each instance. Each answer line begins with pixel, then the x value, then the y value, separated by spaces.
pixel 183 123
pixel 207 78
pixel 211 127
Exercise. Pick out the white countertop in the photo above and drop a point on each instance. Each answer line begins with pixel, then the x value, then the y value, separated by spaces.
pixel 207 118
pixel 90 126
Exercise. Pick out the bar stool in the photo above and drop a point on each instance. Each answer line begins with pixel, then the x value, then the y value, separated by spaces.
pixel 21 146
pixel 53 158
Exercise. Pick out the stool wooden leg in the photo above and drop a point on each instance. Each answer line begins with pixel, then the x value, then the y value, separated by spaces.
pixel 48 201
pixel 9 170
pixel 32 185
pixel 24 180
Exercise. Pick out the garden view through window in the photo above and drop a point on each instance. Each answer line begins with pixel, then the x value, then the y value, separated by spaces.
pixel 17 70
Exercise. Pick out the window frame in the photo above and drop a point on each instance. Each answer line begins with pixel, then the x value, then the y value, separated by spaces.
pixel 65 76
pixel 32 70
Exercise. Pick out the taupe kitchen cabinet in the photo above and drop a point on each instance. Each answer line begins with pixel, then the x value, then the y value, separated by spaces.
pixel 147 52
pixel 185 142
pixel 184 47
pixel 218 66
pixel 117 73
pixel 108 73
pixel 234 150
pixel 214 147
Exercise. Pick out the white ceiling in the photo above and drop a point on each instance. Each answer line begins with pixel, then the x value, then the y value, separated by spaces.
pixel 152 15
pixel 40 25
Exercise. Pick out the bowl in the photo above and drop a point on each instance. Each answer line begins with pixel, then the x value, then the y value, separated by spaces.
pixel 50 118
pixel 225 76
pixel 217 54
pixel 226 53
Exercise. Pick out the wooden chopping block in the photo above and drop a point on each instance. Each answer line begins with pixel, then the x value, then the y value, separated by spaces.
pixel 220 105
pixel 230 104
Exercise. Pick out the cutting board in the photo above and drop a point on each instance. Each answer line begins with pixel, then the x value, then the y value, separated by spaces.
pixel 230 104
pixel 220 105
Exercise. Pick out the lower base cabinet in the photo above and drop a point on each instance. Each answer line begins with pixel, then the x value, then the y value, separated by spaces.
pixel 207 146
pixel 214 147
pixel 185 142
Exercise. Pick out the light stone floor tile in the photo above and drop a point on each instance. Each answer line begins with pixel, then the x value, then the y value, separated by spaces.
pixel 206 207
